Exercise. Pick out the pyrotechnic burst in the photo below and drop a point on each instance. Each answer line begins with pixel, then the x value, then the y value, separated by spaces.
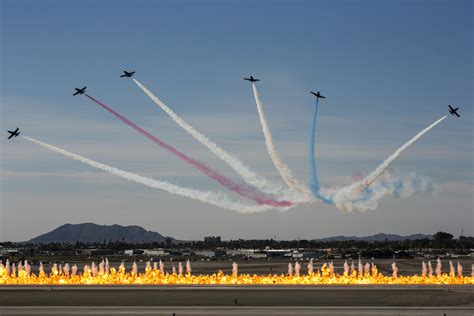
pixel 103 274
pixel 359 196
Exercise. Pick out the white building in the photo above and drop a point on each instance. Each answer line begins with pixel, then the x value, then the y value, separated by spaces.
pixel 155 252
pixel 205 253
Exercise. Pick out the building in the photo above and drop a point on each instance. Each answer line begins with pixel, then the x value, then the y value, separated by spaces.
pixel 133 252
pixel 155 252
pixel 236 252
pixel 96 252
pixel 212 240
pixel 274 253
pixel 205 253
pixel 257 254
pixel 8 251
pixel 313 255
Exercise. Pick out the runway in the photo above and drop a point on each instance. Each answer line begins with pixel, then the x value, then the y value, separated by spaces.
pixel 236 311
pixel 238 300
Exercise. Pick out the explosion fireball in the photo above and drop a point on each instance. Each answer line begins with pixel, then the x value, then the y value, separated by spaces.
pixel 155 274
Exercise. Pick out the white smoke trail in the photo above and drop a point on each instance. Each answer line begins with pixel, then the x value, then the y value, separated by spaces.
pixel 352 197
pixel 282 168
pixel 387 185
pixel 367 181
pixel 245 172
pixel 214 198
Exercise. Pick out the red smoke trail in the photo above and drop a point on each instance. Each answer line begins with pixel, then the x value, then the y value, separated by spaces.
pixel 244 191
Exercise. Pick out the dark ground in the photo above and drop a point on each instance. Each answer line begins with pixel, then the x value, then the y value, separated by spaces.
pixel 245 296
pixel 238 300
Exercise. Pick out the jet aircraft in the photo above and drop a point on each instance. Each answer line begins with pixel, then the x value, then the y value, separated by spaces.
pixel 454 111
pixel 80 91
pixel 252 79
pixel 14 133
pixel 318 95
pixel 127 74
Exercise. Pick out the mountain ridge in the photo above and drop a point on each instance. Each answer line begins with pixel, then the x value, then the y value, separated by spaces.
pixel 90 232
pixel 377 237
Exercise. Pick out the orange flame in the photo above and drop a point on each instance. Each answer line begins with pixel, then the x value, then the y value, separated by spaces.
pixel 154 275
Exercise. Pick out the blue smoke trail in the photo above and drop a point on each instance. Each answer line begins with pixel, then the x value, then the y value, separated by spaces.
pixel 397 187
pixel 364 195
pixel 314 172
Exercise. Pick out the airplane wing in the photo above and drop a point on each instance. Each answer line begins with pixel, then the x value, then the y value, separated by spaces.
pixel 456 113
pixel 75 93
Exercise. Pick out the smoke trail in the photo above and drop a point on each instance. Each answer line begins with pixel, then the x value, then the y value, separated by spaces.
pixel 387 185
pixel 248 175
pixel 283 169
pixel 314 173
pixel 367 181
pixel 224 181
pixel 351 197
pixel 217 199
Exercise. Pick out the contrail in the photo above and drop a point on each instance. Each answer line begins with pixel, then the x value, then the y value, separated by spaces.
pixel 367 181
pixel 245 172
pixel 282 168
pixel 224 181
pixel 346 196
pixel 314 172
pixel 217 199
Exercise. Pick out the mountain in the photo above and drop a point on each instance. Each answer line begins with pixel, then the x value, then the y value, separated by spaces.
pixel 377 237
pixel 89 232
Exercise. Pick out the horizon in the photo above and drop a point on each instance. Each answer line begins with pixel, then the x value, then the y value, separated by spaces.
pixel 388 69
pixel 211 235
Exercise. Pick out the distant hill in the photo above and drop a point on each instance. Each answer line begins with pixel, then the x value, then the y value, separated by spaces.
pixel 89 232
pixel 377 237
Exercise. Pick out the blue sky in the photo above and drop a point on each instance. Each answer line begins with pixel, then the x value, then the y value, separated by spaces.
pixel 389 68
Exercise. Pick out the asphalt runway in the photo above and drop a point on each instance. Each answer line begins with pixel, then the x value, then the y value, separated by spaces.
pixel 236 311
pixel 238 300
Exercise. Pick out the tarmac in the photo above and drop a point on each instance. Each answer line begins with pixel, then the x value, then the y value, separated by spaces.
pixel 238 300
